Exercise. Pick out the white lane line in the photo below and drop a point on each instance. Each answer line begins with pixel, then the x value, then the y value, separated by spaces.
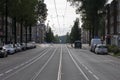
pixel 16 67
pixel 96 77
pixel 9 71
pixel 84 67
pixel 22 64
pixel 26 62
pixel 60 66
pixel 90 71
pixel 37 74
pixel 77 65
pixel 26 65
pixel 1 74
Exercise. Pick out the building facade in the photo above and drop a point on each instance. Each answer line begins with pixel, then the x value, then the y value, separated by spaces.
pixel 13 33
pixel 38 33
pixel 113 23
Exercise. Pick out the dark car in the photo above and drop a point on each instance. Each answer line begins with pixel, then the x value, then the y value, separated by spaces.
pixel 3 53
pixel 77 44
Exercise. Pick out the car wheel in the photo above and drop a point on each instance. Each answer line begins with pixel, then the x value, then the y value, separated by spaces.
pixel 96 52
pixel 6 55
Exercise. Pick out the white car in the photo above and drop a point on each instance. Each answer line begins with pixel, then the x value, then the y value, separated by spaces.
pixel 94 42
pixel 101 49
pixel 9 48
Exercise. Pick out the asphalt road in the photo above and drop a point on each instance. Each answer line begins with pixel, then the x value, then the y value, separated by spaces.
pixel 59 62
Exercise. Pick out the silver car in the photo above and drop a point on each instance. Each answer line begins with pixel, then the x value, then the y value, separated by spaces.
pixel 18 47
pixel 101 49
pixel 9 48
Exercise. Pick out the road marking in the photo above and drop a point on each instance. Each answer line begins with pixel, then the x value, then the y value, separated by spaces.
pixel 26 62
pixel 90 71
pixel 108 60
pixel 9 71
pixel 1 74
pixel 60 66
pixel 44 53
pixel 77 65
pixel 21 64
pixel 83 66
pixel 96 77
pixel 37 74
pixel 86 68
pixel 16 67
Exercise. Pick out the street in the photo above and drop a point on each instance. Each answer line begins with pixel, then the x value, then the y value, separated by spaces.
pixel 59 62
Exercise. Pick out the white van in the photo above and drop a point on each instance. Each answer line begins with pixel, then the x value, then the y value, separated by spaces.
pixel 94 42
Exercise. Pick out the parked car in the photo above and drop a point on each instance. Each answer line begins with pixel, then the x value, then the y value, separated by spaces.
pixel 94 42
pixel 9 48
pixel 23 46
pixel 3 53
pixel 18 47
pixel 101 49
pixel 31 45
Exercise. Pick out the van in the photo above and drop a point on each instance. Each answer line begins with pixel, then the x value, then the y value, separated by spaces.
pixel 78 44
pixel 94 43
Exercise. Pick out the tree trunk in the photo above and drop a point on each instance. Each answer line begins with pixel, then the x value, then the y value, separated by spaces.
pixel 14 30
pixel 21 32
pixel 2 28
pixel 90 34
pixel 30 33
pixel 6 22
pixel 96 25
pixel 26 35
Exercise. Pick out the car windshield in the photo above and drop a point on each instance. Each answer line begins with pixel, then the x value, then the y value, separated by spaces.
pixel 102 46
pixel 7 46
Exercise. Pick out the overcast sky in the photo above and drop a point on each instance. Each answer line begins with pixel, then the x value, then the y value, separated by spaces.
pixel 66 16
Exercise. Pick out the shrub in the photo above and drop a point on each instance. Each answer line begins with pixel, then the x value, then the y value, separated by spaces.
pixel 113 49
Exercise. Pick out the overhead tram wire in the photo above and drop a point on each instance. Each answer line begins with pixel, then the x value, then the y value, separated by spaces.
pixel 65 9
pixel 57 15
pixel 64 14
pixel 52 21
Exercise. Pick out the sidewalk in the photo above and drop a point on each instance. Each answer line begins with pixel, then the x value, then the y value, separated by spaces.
pixel 43 45
pixel 86 46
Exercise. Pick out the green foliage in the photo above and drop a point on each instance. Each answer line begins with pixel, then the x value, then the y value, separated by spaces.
pixel 2 7
pixel 56 39
pixel 26 10
pixel 67 38
pixel 113 49
pixel 75 32
pixel 49 36
pixel 41 11
pixel 90 12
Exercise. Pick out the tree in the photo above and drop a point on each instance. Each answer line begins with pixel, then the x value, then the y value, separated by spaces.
pixel 25 12
pixel 75 32
pixel 21 11
pixel 2 13
pixel 41 11
pixel 90 10
pixel 56 39
pixel 67 37
pixel 49 36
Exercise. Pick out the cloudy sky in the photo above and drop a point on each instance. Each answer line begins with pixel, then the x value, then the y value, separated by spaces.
pixel 66 16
